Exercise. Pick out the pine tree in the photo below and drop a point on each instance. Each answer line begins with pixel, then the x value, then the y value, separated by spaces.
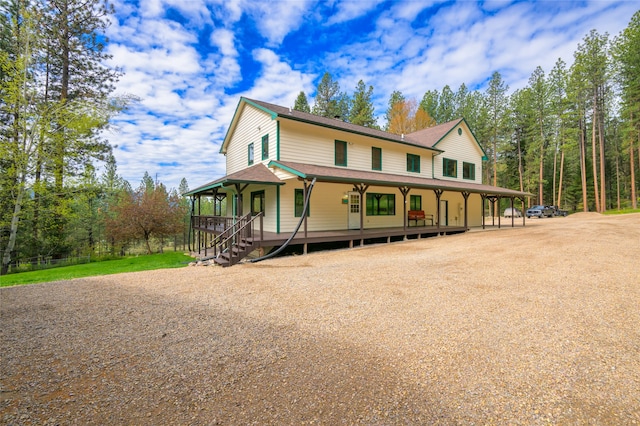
pixel 362 110
pixel 496 102
pixel 327 98
pixel 301 103
pixel 626 52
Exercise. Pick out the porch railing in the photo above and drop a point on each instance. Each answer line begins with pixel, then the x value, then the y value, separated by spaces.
pixel 230 234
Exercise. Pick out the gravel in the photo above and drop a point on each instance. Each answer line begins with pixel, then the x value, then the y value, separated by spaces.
pixel 536 325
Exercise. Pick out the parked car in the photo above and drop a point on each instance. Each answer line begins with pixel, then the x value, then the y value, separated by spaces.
pixel 509 212
pixel 540 212
pixel 557 211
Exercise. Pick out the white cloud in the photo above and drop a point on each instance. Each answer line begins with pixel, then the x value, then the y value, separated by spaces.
pixel 276 19
pixel 351 9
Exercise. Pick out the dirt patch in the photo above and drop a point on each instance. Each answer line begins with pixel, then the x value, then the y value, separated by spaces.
pixel 532 325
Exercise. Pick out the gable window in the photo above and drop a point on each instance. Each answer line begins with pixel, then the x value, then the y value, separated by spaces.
pixel 449 167
pixel 341 153
pixel 413 163
pixel 415 202
pixel 265 147
pixel 468 171
pixel 257 202
pixel 250 154
pixel 299 203
pixel 381 204
pixel 376 158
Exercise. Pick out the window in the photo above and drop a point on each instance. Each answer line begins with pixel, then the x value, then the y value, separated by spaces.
pixel 299 203
pixel 449 167
pixel 376 158
pixel 250 154
pixel 468 171
pixel 381 204
pixel 265 147
pixel 413 163
pixel 415 202
pixel 341 153
pixel 257 202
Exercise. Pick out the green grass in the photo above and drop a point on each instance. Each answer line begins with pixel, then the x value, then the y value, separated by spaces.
pixel 107 267
pixel 622 211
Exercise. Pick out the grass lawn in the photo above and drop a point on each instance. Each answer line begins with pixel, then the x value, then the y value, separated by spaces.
pixel 107 267
pixel 623 211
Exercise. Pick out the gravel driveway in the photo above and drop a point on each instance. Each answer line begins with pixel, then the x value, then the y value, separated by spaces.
pixel 536 325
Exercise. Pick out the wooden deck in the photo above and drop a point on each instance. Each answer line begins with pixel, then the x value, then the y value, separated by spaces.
pixel 353 238
pixel 357 237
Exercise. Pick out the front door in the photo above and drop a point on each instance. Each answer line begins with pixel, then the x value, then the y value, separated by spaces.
pixel 354 210
pixel 444 213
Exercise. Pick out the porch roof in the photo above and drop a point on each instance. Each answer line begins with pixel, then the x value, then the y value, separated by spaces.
pixel 343 175
pixel 257 173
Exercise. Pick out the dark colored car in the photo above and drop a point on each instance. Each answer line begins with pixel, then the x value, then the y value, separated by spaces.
pixel 540 211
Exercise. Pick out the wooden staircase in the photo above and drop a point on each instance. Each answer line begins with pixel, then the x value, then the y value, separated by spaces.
pixel 236 242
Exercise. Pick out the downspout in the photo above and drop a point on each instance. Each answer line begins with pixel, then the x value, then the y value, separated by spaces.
pixel 295 231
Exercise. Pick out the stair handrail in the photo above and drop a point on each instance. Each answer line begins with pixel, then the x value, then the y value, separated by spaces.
pixel 228 243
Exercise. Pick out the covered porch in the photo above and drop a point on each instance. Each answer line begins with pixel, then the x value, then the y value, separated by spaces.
pixel 206 229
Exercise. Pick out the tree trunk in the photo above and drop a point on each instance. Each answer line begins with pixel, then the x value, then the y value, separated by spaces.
pixel 634 200
pixel 13 228
pixel 520 171
pixel 603 192
pixel 594 153
pixel 583 165
pixel 561 177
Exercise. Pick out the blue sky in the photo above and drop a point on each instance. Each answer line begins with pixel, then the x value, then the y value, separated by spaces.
pixel 189 61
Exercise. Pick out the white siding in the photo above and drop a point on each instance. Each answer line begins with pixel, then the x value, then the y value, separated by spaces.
pixel 304 143
pixel 461 148
pixel 252 125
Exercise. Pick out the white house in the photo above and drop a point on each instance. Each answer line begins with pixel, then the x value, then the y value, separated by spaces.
pixel 366 181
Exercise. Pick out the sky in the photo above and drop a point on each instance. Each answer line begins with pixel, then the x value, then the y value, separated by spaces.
pixel 188 62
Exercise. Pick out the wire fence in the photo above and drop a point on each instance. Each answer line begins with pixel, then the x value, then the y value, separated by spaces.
pixel 45 262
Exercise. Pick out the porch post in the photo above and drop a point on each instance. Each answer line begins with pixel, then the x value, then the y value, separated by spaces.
pixel 304 195
pixel 512 211
pixel 465 195
pixel 361 189
pixel 199 221
pixel 498 198
pixel 404 190
pixel 438 193
pixel 483 197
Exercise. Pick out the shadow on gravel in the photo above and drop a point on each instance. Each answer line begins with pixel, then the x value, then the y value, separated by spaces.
pixel 88 353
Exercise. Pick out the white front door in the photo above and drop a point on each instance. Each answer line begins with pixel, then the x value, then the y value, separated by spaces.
pixel 354 210
pixel 444 213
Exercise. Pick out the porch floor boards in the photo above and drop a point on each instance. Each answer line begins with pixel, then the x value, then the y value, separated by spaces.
pixel 274 239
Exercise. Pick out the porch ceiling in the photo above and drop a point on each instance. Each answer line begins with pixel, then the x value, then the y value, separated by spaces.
pixel 343 175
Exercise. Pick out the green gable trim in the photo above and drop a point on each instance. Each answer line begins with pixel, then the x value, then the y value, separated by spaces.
pixel 288 169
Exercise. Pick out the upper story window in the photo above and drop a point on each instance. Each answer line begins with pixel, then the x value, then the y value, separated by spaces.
pixel 413 163
pixel 341 153
pixel 449 167
pixel 265 147
pixel 250 154
pixel 468 171
pixel 376 158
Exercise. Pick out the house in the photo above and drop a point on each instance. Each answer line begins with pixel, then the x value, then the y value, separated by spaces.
pixel 361 183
